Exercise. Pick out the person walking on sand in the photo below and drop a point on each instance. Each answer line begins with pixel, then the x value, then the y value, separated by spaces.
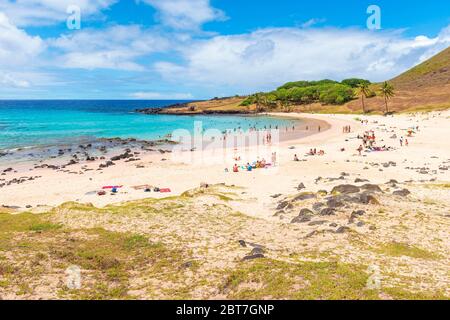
pixel 401 142
pixel 319 128
pixel 360 149
pixel 406 142
pixel 274 159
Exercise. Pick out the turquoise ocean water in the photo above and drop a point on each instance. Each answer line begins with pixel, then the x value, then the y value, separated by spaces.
pixel 28 124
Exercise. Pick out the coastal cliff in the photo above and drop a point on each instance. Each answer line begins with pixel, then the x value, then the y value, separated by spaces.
pixel 229 105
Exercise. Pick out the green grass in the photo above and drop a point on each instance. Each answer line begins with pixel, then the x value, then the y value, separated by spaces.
pixel 396 249
pixel 39 227
pixel 437 62
pixel 438 186
pixel 270 279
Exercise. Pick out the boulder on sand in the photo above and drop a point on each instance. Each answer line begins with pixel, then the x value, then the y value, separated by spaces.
pixel 401 193
pixel 342 230
pixel 372 188
pixel 305 215
pixel 334 202
pixel 345 189
pixel 367 198
pixel 301 186
pixel 327 212
pixel 304 196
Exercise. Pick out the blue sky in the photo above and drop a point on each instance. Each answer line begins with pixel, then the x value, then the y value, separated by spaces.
pixel 193 49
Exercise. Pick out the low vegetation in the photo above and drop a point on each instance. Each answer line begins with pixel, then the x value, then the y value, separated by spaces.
pixel 396 249
pixel 186 247
pixel 307 92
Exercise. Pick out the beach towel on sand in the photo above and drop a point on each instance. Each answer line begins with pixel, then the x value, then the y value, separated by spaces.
pixel 165 190
pixel 112 187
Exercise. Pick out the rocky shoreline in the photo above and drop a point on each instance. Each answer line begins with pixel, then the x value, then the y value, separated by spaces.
pixel 59 158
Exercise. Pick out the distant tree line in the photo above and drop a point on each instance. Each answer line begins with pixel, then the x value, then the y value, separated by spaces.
pixel 305 92
pixel 323 91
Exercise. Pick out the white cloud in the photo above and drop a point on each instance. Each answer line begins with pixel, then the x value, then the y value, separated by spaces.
pixel 312 22
pixel 10 80
pixel 16 46
pixel 18 52
pixel 162 96
pixel 46 12
pixel 186 14
pixel 116 47
pixel 268 57
pixel 438 44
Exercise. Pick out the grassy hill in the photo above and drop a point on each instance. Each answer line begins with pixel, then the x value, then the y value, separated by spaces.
pixel 422 88
pixel 433 72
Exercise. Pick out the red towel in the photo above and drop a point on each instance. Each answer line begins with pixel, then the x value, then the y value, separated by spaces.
pixel 112 187
pixel 166 190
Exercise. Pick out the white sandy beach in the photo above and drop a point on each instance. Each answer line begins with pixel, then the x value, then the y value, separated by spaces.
pixel 427 148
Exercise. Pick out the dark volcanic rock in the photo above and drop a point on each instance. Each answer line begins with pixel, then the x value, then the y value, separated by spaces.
pixel 367 198
pixel 318 206
pixel 257 250
pixel 106 165
pixel 401 193
pixel 327 212
pixel 253 257
pixel 392 181
pixel 305 215
pixel 334 202
pixel 359 212
pixel 304 196
pixel 372 188
pixel 317 223
pixel 342 229
pixel 345 189
pixel 282 205
pixel 301 186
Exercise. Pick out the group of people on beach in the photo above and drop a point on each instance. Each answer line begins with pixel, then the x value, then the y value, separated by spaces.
pixel 258 164
pixel 346 129
pixel 369 143
pixel 404 142
pixel 314 152
pixel 368 138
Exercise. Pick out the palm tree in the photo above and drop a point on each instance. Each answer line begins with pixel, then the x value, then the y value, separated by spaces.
pixel 364 92
pixel 387 90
